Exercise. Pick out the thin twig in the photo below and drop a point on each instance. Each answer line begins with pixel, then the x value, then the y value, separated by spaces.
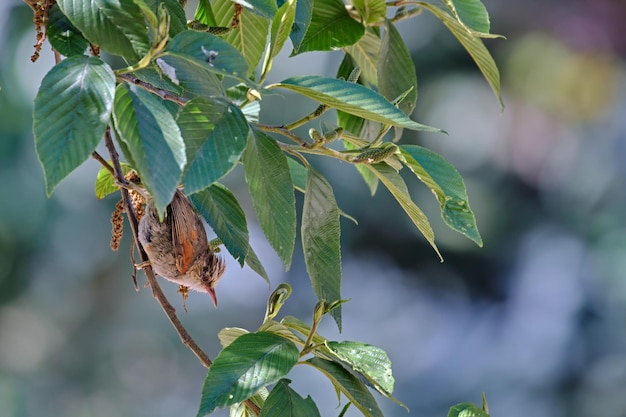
pixel 281 130
pixel 169 310
pixel 95 155
pixel 164 94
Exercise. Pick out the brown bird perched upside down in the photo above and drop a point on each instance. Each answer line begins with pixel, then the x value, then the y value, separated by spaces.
pixel 178 248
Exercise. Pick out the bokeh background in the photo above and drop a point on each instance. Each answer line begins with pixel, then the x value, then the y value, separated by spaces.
pixel 536 318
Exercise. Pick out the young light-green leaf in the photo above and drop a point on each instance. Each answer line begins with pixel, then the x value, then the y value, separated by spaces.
pixel 349 385
pixel 365 54
pixel 222 211
pixel 249 363
pixel 321 240
pixel 72 110
pixel 466 410
pixel 396 72
pixel 267 173
pixel 447 185
pixel 105 182
pixel 371 11
pixel 117 26
pixel 248 36
pixel 152 139
pixel 204 13
pixel 178 21
pixel 395 184
pixel 331 27
pixel 279 32
pixel 470 13
pixel 219 132
pixel 370 361
pixel 474 45
pixel 351 98
pixel 285 402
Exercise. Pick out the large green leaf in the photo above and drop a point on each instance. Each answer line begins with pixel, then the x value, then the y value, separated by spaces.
pixel 248 34
pixel 279 32
pixel 252 260
pixel 216 133
pixel 117 26
pixel 447 185
pixel 349 385
pixel 222 211
pixel 331 27
pixel 395 184
pixel 365 54
pixel 212 52
pixel 370 361
pixel 466 410
pixel 63 36
pixel 285 402
pixel 249 363
pixel 321 240
pixel 265 8
pixel 72 110
pixel 396 72
pixel 152 141
pixel 195 78
pixel 304 10
pixel 371 11
pixel 351 98
pixel 267 174
pixel 470 13
pixel 474 45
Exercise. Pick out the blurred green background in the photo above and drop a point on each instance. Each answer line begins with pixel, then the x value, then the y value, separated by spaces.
pixel 536 319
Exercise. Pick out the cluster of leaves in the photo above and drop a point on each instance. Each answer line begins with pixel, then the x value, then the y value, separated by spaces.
pixel 184 108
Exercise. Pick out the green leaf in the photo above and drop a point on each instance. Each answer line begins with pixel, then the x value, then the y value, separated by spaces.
pixel 190 75
pixel 474 46
pixel 470 13
pixel 265 8
pixel 152 139
pixel 298 174
pixel 248 36
pixel 372 11
pixel 321 240
pixel 269 182
pixel 204 13
pixel 279 32
pixel 466 410
pixel 249 363
pixel 304 10
pixel 448 187
pixel 117 26
pixel 213 52
pixel 396 72
pixel 72 110
pixel 178 21
pixel 370 361
pixel 222 211
pixel 285 402
pixel 252 260
pixel 229 334
pixel 351 98
pixel 63 36
pixel 349 385
pixel 105 182
pixel 216 133
pixel 365 54
pixel 331 27
pixel 395 184
pixel 281 330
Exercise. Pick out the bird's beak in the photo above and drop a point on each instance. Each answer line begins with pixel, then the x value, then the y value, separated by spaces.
pixel 211 292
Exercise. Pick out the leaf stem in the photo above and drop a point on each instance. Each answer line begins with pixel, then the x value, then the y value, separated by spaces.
pixel 282 130
pixel 321 109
